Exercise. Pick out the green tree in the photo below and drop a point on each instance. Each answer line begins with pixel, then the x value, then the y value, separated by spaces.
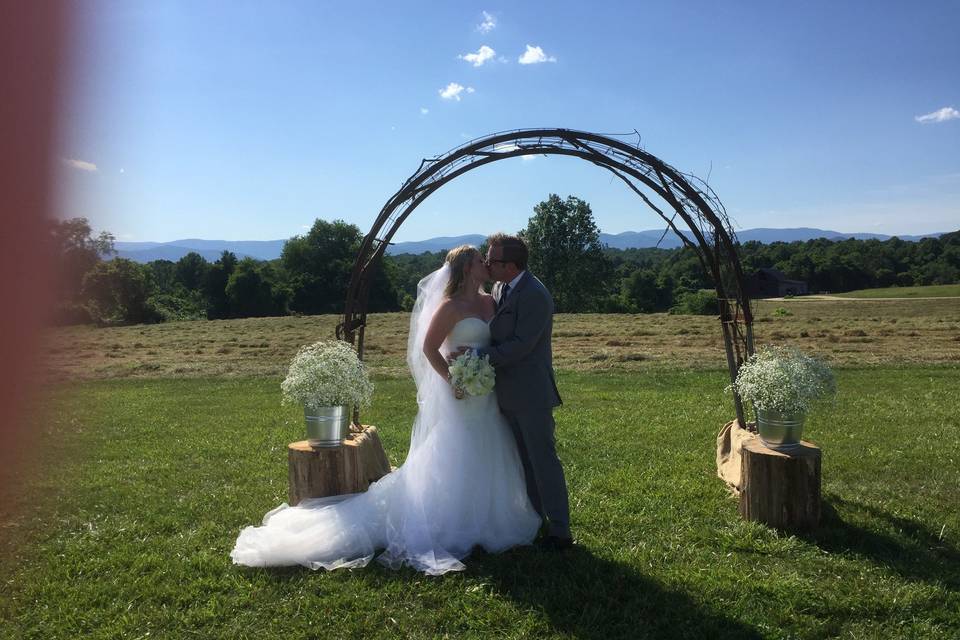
pixel 76 251
pixel 163 276
pixel 254 290
pixel 566 254
pixel 643 292
pixel 117 291
pixel 215 286
pixel 319 265
pixel 192 270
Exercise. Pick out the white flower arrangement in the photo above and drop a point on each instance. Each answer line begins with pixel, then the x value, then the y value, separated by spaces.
pixel 472 374
pixel 783 379
pixel 327 374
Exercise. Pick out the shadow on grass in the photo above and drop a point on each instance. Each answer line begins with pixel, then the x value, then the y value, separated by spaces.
pixel 587 596
pixel 580 594
pixel 902 545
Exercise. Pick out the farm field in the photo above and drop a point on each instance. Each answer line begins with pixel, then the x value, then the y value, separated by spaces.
pixel 853 332
pixel 931 291
pixel 121 523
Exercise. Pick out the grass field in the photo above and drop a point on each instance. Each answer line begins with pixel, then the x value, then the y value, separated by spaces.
pixel 844 332
pixel 168 439
pixel 156 478
pixel 932 291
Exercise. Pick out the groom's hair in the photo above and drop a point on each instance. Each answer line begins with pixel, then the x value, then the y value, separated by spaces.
pixel 514 249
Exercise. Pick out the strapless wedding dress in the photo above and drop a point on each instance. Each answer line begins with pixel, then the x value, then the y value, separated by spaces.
pixel 462 485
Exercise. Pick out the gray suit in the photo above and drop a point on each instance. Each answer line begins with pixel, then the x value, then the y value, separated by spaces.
pixel 520 351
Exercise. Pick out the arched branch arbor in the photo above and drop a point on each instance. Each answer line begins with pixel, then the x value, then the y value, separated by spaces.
pixel 682 200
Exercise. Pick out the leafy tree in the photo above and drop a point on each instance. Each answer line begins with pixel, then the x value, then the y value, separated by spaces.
pixel 163 276
pixel 565 253
pixel 192 271
pixel 117 292
pixel 703 303
pixel 254 290
pixel 169 298
pixel 319 265
pixel 77 251
pixel 643 292
pixel 215 286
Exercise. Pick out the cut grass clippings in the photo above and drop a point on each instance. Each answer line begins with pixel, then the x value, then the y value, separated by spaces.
pixel 843 332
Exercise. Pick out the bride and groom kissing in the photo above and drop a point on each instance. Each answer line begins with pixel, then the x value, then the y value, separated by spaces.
pixel 481 471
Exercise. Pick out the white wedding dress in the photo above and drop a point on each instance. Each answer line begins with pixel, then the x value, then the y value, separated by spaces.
pixel 461 485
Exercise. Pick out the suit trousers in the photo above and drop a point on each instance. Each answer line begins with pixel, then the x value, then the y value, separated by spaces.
pixel 546 485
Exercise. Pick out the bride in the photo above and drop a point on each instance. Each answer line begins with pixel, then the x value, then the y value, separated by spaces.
pixel 462 483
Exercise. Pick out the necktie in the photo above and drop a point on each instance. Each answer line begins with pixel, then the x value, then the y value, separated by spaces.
pixel 503 294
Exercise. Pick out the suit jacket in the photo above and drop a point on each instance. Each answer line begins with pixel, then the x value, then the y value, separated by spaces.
pixel 520 348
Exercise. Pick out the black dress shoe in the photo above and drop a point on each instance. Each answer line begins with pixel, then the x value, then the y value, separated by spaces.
pixel 554 543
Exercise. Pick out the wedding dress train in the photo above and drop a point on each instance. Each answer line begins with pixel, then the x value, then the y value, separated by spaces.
pixel 461 485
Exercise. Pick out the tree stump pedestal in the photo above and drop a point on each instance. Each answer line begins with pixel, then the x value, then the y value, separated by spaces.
pixel 779 489
pixel 349 468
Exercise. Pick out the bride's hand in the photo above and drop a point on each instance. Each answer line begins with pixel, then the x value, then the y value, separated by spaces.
pixel 453 355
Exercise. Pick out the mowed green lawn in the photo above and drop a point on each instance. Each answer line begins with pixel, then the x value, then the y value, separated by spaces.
pixel 123 524
pixel 930 291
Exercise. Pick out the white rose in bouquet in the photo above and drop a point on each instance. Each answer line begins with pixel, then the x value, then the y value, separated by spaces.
pixel 472 374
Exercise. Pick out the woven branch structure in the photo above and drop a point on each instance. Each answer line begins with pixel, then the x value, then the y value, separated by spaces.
pixel 682 200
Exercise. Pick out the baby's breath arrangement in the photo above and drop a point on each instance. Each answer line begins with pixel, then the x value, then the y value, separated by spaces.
pixel 783 379
pixel 472 374
pixel 327 374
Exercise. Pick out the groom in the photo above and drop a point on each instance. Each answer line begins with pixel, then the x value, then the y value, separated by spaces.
pixel 526 391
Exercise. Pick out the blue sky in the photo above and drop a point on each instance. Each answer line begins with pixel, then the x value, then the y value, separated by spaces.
pixel 248 120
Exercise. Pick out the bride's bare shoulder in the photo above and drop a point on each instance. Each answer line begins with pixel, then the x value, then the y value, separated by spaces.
pixel 448 311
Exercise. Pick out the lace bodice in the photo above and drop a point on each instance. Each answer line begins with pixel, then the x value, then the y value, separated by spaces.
pixel 469 332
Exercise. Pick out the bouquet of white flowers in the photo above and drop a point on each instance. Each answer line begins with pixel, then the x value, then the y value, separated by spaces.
pixel 472 374
pixel 783 379
pixel 327 374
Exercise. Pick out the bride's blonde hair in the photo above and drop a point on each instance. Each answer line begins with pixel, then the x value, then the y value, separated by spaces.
pixel 459 258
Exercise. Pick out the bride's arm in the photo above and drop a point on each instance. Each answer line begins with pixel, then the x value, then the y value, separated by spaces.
pixel 440 325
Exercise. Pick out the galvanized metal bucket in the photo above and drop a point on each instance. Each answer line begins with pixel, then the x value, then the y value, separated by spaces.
pixel 780 431
pixel 327 426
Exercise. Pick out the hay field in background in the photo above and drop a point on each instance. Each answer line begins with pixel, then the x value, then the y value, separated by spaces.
pixel 844 332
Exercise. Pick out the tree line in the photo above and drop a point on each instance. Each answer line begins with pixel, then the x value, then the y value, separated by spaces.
pixel 313 272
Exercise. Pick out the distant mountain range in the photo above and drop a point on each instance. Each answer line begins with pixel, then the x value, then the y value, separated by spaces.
pixel 209 249
pixel 270 249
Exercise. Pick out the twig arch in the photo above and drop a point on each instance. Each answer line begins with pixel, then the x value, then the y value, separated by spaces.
pixel 685 195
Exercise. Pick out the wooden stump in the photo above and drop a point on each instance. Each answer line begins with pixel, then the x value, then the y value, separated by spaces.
pixel 779 489
pixel 351 468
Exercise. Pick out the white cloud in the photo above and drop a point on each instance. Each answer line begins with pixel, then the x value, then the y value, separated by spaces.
pixel 488 24
pixel 477 59
pixel 941 115
pixel 507 147
pixel 534 55
pixel 453 90
pixel 424 111
pixel 81 165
